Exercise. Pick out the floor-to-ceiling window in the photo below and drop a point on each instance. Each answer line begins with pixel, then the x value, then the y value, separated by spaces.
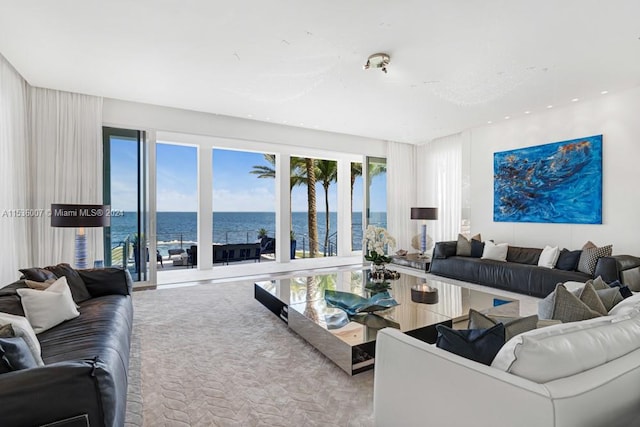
pixel 357 206
pixel 176 203
pixel 313 207
pixel 125 189
pixel 244 201
pixel 377 191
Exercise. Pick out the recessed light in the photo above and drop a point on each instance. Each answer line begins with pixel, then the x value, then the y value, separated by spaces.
pixel 507 117
pixel 549 106
pixel 489 122
pixel 284 121
pixel 575 100
pixel 268 119
pixel 249 115
pixel 604 92
pixel 527 112
pixel 301 124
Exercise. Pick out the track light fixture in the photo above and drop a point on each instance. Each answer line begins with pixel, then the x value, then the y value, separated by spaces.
pixel 378 60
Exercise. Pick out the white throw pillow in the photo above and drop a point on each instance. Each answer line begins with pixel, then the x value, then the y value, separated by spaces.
pixel 496 252
pixel 48 308
pixel 549 257
pixel 22 328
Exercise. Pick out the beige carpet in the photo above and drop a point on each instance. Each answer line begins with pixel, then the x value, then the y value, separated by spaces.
pixel 210 355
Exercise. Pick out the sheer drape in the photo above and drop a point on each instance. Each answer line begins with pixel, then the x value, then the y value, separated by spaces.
pixel 13 167
pixel 401 193
pixel 440 178
pixel 65 153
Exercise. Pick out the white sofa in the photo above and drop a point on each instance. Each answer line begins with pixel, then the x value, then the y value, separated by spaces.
pixel 418 384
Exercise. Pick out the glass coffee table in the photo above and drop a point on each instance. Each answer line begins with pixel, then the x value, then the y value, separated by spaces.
pixel 299 302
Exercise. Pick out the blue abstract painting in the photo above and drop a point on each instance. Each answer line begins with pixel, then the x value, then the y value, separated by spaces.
pixel 552 183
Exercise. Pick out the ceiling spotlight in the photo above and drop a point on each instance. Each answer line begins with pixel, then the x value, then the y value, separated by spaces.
pixel 378 60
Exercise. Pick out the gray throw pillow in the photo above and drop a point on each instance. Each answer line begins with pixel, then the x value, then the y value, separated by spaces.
pixel 609 297
pixel 6 331
pixel 590 297
pixel 568 308
pixel 589 258
pixel 512 325
pixel 463 246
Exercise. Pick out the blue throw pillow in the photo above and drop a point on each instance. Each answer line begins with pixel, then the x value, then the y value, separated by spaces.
pixel 15 355
pixel 568 260
pixel 624 289
pixel 477 248
pixel 480 345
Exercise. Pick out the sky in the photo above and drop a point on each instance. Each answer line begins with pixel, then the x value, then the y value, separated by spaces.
pixel 235 189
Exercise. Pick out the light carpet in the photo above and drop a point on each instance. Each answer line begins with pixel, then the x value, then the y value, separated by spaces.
pixel 211 355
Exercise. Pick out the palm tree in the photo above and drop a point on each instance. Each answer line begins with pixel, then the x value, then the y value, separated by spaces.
pixel 326 173
pixel 312 216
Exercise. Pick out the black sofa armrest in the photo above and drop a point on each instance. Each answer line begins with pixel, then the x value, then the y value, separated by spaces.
pixel 629 271
pixel 107 281
pixel 33 397
pixel 443 250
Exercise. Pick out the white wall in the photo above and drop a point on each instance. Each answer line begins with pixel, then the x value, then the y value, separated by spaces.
pixel 134 115
pixel 615 116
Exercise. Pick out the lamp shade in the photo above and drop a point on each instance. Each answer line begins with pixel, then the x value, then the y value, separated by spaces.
pixel 424 213
pixel 80 215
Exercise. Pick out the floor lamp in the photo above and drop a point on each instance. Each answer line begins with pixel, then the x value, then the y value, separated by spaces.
pixel 79 217
pixel 424 214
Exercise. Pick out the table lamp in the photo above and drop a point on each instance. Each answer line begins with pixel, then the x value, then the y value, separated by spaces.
pixel 424 214
pixel 80 216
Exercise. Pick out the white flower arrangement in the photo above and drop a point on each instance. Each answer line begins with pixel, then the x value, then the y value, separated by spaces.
pixel 376 241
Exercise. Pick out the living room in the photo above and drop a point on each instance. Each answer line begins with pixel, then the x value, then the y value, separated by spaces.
pixel 288 80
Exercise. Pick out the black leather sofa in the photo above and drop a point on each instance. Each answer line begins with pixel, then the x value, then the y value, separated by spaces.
pixel 520 273
pixel 84 380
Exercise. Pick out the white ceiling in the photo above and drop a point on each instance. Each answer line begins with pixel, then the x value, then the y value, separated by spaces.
pixel 455 64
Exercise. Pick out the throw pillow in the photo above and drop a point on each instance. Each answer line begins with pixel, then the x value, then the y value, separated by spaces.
pixel 41 286
pixel 48 308
pixel 75 282
pixel 477 248
pixel 15 355
pixel 568 308
pixel 568 260
pixel 6 331
pixel 549 257
pixel 512 325
pixel 609 297
pixel 590 297
pixel 598 283
pixel 496 252
pixel 480 345
pixel 37 274
pixel 463 246
pixel 624 289
pixel 589 258
pixel 545 306
pixel 22 328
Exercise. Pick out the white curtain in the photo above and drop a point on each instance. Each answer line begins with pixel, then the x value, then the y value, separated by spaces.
pixel 13 173
pixel 401 193
pixel 440 184
pixel 65 166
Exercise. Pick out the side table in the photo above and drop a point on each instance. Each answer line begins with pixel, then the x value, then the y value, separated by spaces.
pixel 413 261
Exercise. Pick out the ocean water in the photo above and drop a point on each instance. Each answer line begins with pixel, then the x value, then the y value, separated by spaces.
pixel 179 229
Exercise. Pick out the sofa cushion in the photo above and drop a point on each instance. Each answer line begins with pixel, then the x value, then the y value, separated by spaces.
pixel 15 355
pixel 529 256
pixel 559 351
pixel 626 306
pixel 495 251
pixel 50 307
pixel 589 257
pixel 75 282
pixel 568 260
pixel 22 328
pixel 37 274
pixel 480 345
pixel 6 331
pixel 463 245
pixel 512 325
pixel 477 248
pixel 549 257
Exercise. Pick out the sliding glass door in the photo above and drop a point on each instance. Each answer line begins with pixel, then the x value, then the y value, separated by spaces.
pixel 125 188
